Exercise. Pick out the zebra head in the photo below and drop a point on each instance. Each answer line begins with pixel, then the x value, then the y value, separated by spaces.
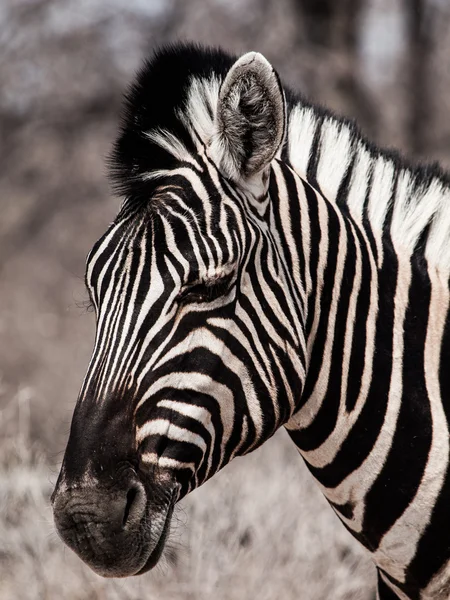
pixel 199 350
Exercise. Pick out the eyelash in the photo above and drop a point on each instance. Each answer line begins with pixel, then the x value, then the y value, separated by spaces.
pixel 204 292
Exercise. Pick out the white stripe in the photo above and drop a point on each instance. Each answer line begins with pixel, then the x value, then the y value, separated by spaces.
pixel 164 462
pixel 335 154
pixel 302 127
pixel 173 432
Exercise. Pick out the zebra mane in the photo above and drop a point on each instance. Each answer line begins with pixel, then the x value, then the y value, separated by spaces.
pixel 411 201
pixel 169 111
pixel 155 133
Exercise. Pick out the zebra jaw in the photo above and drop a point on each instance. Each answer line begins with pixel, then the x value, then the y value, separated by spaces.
pixel 118 530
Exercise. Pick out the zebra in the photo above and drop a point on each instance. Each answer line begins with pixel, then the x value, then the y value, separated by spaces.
pixel 269 267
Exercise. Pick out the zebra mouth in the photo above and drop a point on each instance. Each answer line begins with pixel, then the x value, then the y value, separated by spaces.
pixel 157 551
pixel 118 532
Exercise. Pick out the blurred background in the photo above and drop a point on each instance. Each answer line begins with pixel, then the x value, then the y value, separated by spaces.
pixel 260 528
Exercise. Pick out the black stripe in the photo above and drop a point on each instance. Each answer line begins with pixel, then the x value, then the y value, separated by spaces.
pixel 397 483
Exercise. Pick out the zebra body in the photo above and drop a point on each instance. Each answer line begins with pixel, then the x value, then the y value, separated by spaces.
pixel 268 267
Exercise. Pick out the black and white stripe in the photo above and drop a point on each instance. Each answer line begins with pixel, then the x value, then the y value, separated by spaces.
pixel 271 267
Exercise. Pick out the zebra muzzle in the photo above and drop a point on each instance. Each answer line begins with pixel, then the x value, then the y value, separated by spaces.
pixel 117 530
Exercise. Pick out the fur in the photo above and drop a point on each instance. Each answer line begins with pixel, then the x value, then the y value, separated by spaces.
pixel 172 108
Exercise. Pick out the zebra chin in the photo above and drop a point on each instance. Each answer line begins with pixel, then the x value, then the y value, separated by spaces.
pixel 118 530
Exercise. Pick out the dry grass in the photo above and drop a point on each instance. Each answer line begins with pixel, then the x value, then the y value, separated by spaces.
pixel 258 529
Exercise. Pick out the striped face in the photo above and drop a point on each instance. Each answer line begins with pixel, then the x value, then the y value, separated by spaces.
pixel 170 284
pixel 187 370
pixel 194 347
pixel 184 334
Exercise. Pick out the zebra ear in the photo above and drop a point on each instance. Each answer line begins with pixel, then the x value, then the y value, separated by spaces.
pixel 250 120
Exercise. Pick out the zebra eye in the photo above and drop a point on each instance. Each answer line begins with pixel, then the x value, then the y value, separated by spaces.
pixel 194 293
pixel 205 291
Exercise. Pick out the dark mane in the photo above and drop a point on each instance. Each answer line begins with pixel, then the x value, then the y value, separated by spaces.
pixel 151 102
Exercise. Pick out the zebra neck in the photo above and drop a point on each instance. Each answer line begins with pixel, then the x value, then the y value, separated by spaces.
pixel 378 349
pixel 377 383
pixel 368 301
pixel 410 204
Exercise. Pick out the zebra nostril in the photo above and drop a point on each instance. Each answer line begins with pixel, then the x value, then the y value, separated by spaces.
pixel 135 505
pixel 131 495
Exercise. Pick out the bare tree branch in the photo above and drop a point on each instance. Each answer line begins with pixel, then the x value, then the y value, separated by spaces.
pixel 419 19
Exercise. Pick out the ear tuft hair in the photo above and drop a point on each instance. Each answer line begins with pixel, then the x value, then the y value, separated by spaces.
pixel 250 119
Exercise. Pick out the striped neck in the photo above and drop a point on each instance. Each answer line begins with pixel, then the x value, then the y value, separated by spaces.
pixel 377 353
pixel 410 203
